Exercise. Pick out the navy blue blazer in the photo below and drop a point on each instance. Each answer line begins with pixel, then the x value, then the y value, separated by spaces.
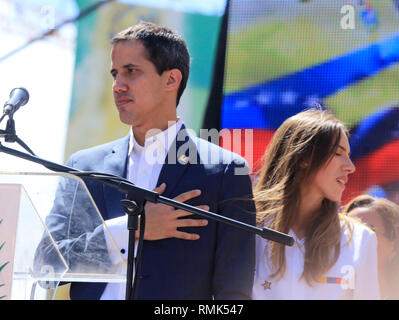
pixel 220 264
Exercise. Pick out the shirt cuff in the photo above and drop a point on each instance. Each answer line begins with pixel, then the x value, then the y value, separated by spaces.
pixel 117 238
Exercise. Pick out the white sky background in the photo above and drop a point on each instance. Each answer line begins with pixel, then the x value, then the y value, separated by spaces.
pixel 45 69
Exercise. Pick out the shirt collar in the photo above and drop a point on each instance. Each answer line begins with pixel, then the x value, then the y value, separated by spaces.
pixel 162 137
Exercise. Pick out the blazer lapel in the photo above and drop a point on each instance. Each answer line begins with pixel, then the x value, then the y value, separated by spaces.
pixel 182 152
pixel 115 163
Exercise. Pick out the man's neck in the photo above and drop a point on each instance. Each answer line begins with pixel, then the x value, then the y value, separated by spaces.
pixel 143 132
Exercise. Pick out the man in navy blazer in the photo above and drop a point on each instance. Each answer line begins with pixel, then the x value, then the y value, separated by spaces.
pixel 184 256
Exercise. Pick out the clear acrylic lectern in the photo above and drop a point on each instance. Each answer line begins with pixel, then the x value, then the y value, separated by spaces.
pixel 51 232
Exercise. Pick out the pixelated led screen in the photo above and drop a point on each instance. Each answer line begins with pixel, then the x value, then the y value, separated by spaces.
pixel 283 56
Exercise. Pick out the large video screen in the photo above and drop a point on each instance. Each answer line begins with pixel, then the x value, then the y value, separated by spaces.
pixel 283 56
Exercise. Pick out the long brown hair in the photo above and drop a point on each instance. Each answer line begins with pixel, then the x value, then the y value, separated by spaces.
pixel 300 147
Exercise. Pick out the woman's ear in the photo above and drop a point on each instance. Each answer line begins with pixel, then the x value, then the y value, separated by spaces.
pixel 304 164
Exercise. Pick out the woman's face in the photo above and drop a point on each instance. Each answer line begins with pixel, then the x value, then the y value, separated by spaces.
pixel 330 180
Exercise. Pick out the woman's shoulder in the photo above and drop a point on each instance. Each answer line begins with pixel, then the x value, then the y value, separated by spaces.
pixel 355 232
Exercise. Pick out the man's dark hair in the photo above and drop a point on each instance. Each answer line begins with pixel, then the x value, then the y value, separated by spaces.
pixel 166 49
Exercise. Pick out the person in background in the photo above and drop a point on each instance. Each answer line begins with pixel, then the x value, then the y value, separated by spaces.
pixel 298 192
pixel 392 191
pixel 382 216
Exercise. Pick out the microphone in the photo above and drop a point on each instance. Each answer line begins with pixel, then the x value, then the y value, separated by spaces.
pixel 18 98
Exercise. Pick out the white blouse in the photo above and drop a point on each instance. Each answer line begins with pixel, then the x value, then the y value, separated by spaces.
pixel 354 275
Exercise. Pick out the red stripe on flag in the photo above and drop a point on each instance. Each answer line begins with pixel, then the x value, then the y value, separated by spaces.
pixel 380 167
pixel 260 140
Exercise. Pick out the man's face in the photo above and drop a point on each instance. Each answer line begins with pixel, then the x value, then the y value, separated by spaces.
pixel 137 87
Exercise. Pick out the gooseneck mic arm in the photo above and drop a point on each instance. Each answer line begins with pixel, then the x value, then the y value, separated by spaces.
pixel 9 135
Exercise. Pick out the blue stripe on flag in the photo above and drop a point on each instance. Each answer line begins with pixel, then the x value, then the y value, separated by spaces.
pixel 267 105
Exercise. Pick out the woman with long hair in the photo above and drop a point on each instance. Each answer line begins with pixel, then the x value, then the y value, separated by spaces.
pixel 382 216
pixel 306 167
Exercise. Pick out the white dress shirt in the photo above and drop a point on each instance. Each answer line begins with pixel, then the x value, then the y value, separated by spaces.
pixel 354 275
pixel 144 167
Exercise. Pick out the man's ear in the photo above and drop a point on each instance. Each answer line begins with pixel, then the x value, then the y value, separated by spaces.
pixel 173 79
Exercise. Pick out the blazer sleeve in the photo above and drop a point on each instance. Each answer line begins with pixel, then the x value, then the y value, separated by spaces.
pixel 235 251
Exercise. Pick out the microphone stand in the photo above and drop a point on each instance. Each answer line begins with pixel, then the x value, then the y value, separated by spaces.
pixel 10 135
pixel 134 207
